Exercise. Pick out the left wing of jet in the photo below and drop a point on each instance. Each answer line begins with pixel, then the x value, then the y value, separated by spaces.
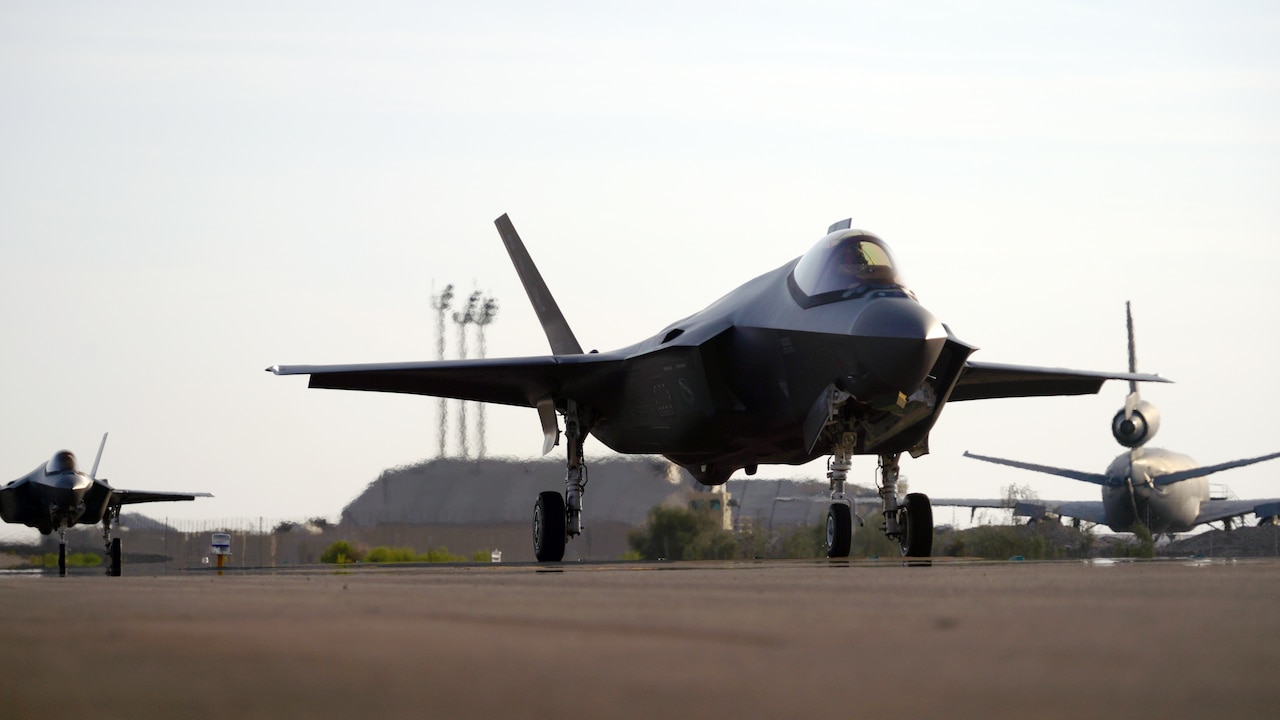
pixel 128 497
pixel 983 381
pixel 505 381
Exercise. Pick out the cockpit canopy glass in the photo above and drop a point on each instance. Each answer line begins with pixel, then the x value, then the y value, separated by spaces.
pixel 844 265
pixel 62 461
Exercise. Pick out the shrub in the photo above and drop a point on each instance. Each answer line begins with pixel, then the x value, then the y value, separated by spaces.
pixel 50 560
pixel 340 552
pixel 677 533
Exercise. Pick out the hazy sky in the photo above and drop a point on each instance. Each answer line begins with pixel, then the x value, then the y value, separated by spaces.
pixel 190 192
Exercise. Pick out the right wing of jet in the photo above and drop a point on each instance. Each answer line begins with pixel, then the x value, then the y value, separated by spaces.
pixel 1214 510
pixel 982 381
pixel 128 497
pixel 506 381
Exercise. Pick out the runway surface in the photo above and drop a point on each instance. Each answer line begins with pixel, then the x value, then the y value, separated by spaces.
pixel 770 639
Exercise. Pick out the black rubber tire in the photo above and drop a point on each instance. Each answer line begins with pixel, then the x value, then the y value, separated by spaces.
pixel 62 559
pixel 114 556
pixel 917 533
pixel 839 530
pixel 549 527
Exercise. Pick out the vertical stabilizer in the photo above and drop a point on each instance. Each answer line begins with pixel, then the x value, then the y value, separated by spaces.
pixel 554 325
pixel 94 472
pixel 1133 355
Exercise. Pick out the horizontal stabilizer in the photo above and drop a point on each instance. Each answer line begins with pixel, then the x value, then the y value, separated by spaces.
pixel 983 381
pixel 1093 478
pixel 1180 475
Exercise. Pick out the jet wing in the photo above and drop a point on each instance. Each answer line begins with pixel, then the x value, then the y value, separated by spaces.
pixel 1214 510
pixel 129 497
pixel 505 381
pixel 983 381
pixel 1087 510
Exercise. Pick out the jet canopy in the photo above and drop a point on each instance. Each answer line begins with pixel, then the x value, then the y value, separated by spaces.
pixel 844 265
pixel 61 462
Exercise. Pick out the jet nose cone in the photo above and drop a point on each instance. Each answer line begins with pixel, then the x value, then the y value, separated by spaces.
pixel 898 343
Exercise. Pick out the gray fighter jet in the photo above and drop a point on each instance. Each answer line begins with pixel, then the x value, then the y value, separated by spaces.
pixel 57 495
pixel 829 354
pixel 1165 491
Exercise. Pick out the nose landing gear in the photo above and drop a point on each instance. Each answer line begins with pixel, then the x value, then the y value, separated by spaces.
pixel 909 520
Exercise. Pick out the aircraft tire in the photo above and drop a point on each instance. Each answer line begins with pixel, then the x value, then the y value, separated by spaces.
pixel 549 527
pixel 917 536
pixel 62 559
pixel 839 530
pixel 114 569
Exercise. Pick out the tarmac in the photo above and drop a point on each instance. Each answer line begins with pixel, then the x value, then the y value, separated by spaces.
pixel 772 639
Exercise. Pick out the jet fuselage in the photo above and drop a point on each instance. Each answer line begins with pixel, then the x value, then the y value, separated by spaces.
pixel 732 386
pixel 1161 508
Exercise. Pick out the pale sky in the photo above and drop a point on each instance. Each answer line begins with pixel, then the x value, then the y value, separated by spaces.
pixel 191 192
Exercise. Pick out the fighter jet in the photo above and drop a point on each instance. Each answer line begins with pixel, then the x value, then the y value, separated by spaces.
pixel 1167 492
pixel 829 354
pixel 57 495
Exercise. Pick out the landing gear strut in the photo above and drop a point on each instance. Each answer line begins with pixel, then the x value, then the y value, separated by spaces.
pixel 62 552
pixel 556 518
pixel 839 514
pixel 112 544
pixel 910 520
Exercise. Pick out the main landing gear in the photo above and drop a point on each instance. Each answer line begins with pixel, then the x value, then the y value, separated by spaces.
pixel 112 544
pixel 557 518
pixel 908 520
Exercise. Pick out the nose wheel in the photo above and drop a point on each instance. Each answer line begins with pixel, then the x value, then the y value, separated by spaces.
pixel 549 527
pixel 62 552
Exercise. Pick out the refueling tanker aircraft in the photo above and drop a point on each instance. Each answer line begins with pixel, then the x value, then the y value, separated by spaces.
pixel 829 354
pixel 57 495
pixel 1167 492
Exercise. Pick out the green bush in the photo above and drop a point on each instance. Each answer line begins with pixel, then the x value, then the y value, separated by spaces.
pixel 676 533
pixel 340 552
pixel 869 541
pixel 383 554
pixel 50 560
pixel 1142 546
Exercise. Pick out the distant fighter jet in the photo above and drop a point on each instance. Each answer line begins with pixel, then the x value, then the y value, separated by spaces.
pixel 57 495
pixel 829 354
pixel 1164 491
